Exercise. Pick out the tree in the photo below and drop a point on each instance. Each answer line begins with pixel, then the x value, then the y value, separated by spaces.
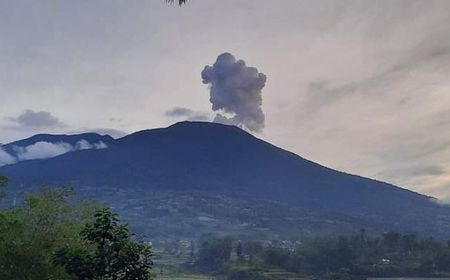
pixel 214 253
pixel 239 253
pixel 276 256
pixel 110 254
pixel 29 234
pixel 252 249
pixel 54 236
pixel 3 182
pixel 391 239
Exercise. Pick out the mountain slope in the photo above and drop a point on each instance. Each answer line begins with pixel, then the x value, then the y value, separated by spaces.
pixel 224 160
pixel 71 140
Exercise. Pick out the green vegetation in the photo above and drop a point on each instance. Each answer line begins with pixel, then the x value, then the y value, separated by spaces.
pixel 214 254
pixel 341 257
pixel 3 182
pixel 185 277
pixel 52 235
pixel 31 233
pixel 112 255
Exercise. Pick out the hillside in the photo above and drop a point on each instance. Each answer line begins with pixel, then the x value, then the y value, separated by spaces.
pixel 182 169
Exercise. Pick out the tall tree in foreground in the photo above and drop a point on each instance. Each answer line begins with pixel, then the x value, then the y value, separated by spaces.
pixel 52 235
pixel 30 233
pixel 111 254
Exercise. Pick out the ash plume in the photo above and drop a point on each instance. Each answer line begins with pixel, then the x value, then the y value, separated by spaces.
pixel 235 92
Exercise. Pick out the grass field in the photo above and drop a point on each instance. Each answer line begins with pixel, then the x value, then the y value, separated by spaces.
pixel 272 274
pixel 184 277
pixel 172 272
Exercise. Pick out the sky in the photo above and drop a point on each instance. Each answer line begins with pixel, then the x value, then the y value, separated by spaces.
pixel 359 86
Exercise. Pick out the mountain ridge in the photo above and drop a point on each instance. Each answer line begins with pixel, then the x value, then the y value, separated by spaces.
pixel 225 160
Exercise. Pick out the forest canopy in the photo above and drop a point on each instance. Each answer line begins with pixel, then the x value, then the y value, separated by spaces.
pixel 52 235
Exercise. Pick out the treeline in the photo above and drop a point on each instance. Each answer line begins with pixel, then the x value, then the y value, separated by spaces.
pixel 51 235
pixel 356 256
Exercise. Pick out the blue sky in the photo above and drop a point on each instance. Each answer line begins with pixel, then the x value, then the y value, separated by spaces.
pixel 360 86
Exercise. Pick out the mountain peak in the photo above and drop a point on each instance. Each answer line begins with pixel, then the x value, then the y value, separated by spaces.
pixel 198 124
pixel 188 133
pixel 222 159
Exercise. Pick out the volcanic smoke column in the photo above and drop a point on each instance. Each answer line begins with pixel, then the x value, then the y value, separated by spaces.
pixel 235 91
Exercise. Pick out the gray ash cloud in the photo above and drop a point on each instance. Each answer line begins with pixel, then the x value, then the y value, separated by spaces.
pixel 236 92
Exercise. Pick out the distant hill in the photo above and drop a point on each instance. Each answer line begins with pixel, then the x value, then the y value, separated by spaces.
pixel 70 139
pixel 239 184
pixel 91 138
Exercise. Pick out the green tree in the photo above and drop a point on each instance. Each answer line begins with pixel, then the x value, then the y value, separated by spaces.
pixel 3 182
pixel 239 253
pixel 252 249
pixel 110 254
pixel 214 253
pixel 391 239
pixel 276 256
pixel 29 234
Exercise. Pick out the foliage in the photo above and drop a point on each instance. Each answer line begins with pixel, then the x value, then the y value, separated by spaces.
pixel 113 254
pixel 214 253
pixel 346 257
pixel 239 252
pixel 333 257
pixel 252 249
pixel 3 181
pixel 31 233
pixel 52 235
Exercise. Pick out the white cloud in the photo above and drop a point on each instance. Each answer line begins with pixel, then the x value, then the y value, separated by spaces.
pixel 100 145
pixel 42 150
pixel 85 145
pixel 6 158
